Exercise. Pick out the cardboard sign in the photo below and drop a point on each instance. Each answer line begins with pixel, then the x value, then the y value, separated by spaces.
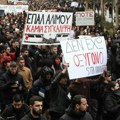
pixel 44 27
pixel 87 56
pixel 85 18
pixel 14 8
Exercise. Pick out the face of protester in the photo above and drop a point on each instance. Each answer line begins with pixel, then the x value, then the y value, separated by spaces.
pixel 54 50
pixel 116 35
pixel 26 53
pixel 13 70
pixel 13 45
pixel 116 87
pixel 17 105
pixel 8 50
pixel 57 61
pixel 21 63
pixel 83 106
pixel 36 109
pixel 109 77
pixel 17 44
pixel 7 65
pixel 48 76
pixel 63 81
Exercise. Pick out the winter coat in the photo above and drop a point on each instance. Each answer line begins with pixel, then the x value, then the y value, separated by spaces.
pixel 82 86
pixel 59 100
pixel 73 115
pixel 41 88
pixel 29 117
pixel 112 105
pixel 11 111
pixel 7 81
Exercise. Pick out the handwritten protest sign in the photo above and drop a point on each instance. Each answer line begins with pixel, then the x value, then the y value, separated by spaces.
pixel 84 18
pixel 14 8
pixel 47 25
pixel 86 56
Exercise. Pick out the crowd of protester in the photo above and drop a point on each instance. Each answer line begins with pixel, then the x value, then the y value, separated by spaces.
pixel 34 82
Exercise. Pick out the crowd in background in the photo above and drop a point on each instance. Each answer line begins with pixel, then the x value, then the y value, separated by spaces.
pixel 27 72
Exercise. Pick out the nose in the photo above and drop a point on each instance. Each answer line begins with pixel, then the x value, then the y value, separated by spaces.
pixel 40 108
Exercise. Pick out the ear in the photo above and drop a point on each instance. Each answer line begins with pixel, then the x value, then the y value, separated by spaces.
pixel 77 106
pixel 30 106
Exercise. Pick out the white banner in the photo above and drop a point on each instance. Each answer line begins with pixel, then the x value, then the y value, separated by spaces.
pixel 45 27
pixel 74 4
pixel 85 18
pixel 14 8
pixel 87 56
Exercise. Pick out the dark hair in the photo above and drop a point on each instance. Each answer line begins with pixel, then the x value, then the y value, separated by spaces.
pixel 46 70
pixel 53 46
pixel 20 58
pixel 35 98
pixel 110 85
pixel 13 64
pixel 18 98
pixel 76 100
pixel 23 50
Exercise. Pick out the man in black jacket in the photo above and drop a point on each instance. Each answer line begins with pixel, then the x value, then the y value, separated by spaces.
pixel 77 109
pixel 11 83
pixel 36 105
pixel 15 110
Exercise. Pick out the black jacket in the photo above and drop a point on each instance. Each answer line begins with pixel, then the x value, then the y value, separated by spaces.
pixel 10 111
pixel 71 114
pixel 112 105
pixel 59 100
pixel 7 81
pixel 29 117
pixel 41 88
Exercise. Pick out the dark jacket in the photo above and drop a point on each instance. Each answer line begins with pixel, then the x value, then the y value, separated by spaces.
pixel 41 88
pixel 83 87
pixel 59 100
pixel 7 81
pixel 1 118
pixel 29 117
pixel 112 105
pixel 118 118
pixel 73 115
pixel 11 111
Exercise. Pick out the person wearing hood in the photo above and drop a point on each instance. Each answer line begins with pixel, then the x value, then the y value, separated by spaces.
pixel 112 101
pixel 77 110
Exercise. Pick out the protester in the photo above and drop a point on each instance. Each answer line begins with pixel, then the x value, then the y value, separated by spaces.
pixel 38 57
pixel 59 99
pixel 111 102
pixel 36 106
pixel 11 83
pixel 77 109
pixel 17 109
pixel 25 73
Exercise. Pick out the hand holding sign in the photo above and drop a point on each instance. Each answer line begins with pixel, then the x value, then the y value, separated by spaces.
pixel 66 65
